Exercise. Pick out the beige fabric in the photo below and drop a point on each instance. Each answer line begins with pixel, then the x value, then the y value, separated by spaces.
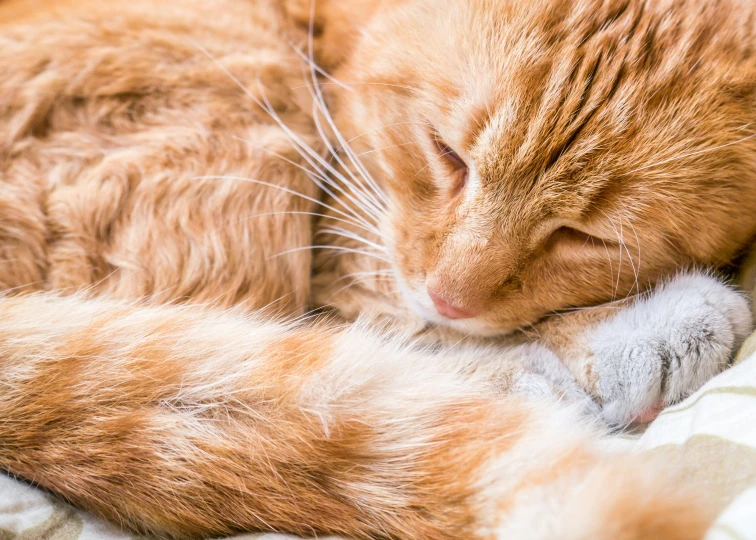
pixel 713 435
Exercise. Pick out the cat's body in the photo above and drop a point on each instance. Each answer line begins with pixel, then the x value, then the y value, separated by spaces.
pixel 182 157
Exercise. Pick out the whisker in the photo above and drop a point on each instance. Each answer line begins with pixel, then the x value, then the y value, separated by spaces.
pixel 319 69
pixel 266 106
pixel 368 198
pixel 619 264
pixel 352 284
pixel 285 190
pixel 338 231
pixel 298 213
pixel 620 243
pixel 629 256
pixel 611 270
pixel 637 241
pixel 385 148
pixel 385 126
pixel 309 172
pixel 352 83
pixel 321 102
pixel 375 192
pixel 334 248
pixel 375 274
pixel 368 202
pixel 374 206
pixel 692 154
pixel 313 155
pixel 438 157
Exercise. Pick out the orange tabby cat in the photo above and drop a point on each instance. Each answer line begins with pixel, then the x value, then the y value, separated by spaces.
pixel 483 164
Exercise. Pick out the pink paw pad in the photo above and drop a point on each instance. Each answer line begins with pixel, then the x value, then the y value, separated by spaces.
pixel 649 415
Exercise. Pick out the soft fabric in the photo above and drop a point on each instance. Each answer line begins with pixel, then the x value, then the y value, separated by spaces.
pixel 713 433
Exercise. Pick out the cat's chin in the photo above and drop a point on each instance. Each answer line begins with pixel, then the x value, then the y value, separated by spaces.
pixel 470 327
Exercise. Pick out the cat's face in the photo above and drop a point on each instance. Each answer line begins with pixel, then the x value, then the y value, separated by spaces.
pixel 547 154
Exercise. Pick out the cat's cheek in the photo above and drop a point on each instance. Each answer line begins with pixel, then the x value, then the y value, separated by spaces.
pixel 413 300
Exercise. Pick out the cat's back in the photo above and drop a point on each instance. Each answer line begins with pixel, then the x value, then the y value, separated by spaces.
pixel 17 11
pixel 131 131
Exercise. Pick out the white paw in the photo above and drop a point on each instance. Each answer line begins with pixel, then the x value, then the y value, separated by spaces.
pixel 666 346
pixel 545 376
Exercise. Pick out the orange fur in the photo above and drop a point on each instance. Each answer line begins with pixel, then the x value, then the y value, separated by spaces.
pixel 102 166
pixel 177 421
pixel 612 142
pixel 140 159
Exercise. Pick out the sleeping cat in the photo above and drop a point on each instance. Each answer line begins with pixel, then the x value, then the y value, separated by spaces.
pixel 467 167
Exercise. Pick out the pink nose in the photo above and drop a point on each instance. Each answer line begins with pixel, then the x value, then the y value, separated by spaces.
pixel 449 311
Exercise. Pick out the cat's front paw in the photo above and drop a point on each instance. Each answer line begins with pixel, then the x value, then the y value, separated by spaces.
pixel 667 346
pixel 544 376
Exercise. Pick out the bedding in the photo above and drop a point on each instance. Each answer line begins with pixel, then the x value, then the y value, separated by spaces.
pixel 712 433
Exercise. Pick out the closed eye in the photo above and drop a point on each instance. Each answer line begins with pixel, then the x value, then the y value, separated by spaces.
pixel 453 162
pixel 577 238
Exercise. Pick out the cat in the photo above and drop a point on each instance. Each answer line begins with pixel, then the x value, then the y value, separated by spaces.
pixel 473 165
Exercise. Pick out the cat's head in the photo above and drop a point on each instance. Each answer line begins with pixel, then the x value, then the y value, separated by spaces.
pixel 546 154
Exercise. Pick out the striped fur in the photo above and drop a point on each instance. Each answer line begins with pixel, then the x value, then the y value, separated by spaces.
pixel 156 158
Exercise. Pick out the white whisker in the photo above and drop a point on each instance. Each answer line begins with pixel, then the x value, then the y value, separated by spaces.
pixel 319 69
pixel 323 177
pixel 375 207
pixel 312 154
pixel 637 241
pixel 377 275
pixel 692 154
pixel 438 157
pixel 284 189
pixel 404 87
pixel 623 246
pixel 334 248
pixel 318 98
pixel 296 213
pixel 358 282
pixel 385 148
pixel 309 154
pixel 394 124
pixel 619 264
pixel 370 202
pixel 375 192
pixel 338 231
pixel 611 269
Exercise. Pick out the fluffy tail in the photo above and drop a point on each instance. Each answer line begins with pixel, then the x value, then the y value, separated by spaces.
pixel 188 423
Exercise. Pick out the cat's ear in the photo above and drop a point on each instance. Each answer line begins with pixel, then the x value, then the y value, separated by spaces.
pixel 335 24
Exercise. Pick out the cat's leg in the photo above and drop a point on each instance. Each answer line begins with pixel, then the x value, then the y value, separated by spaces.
pixel 527 369
pixel 184 422
pixel 652 351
